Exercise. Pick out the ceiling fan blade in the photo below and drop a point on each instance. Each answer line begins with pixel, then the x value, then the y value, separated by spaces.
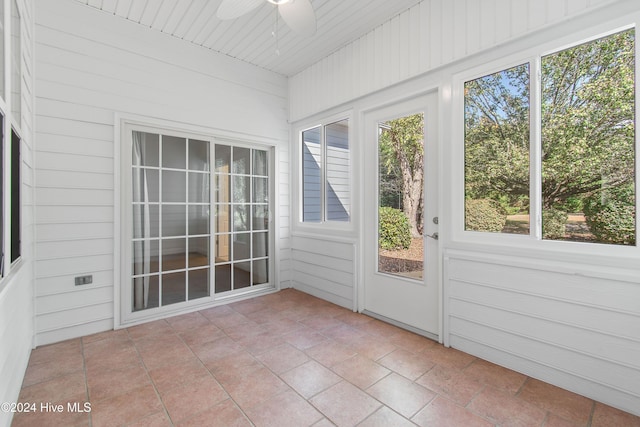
pixel 299 16
pixel 231 9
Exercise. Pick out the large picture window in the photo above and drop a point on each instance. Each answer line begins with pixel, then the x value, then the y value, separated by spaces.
pixel 326 186
pixel 583 145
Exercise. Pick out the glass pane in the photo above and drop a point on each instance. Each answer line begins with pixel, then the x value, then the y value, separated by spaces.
pixel 145 257
pixel 241 246
pixel 223 188
pixel 174 254
pixel 198 283
pixel 260 217
pixel 145 185
pixel 198 187
pixel 241 160
pixel 174 185
pixel 241 275
pixel 223 218
pixel 260 272
pixel 241 219
pixel 198 219
pixel 154 221
pixel 145 221
pixel 400 196
pixel 311 176
pixel 145 149
pixel 223 158
pixel 223 278
pixel 588 142
pixel 173 220
pixel 198 252
pixel 241 189
pixel 174 152
pixel 173 288
pixel 338 199
pixel 497 152
pixel 260 163
pixel 260 190
pixel 260 244
pixel 145 292
pixel 223 248
pixel 198 155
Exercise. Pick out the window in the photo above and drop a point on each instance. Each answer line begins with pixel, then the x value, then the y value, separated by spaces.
pixel 326 186
pixel 582 174
pixel 16 210
pixel 497 151
pixel 10 140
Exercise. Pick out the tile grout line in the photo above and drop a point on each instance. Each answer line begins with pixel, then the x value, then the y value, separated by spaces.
pixel 146 371
pixel 86 379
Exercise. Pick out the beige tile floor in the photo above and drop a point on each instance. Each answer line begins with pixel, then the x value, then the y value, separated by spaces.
pixel 286 359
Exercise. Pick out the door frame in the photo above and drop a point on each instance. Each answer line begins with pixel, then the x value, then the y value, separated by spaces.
pixel 427 101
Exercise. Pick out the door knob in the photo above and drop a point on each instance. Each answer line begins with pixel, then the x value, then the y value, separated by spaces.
pixel 434 236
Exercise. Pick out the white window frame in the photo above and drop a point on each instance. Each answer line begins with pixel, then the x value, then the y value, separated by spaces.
pixel 11 123
pixel 533 244
pixel 324 225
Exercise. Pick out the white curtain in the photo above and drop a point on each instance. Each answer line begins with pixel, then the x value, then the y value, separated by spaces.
pixel 141 224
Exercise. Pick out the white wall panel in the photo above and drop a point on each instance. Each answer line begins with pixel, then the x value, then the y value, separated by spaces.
pixel 539 318
pixel 91 66
pixel 324 268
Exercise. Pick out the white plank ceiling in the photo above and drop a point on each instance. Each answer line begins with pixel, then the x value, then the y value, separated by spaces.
pixel 249 37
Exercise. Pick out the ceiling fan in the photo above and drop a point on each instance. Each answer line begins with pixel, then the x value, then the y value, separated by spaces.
pixel 297 14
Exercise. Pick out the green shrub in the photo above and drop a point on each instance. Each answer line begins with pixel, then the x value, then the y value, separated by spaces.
pixel 613 221
pixel 483 215
pixel 554 223
pixel 395 232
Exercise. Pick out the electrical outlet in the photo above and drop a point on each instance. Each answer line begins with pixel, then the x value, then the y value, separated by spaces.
pixel 84 280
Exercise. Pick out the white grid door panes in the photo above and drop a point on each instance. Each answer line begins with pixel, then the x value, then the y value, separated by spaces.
pixel 171 209
pixel 241 204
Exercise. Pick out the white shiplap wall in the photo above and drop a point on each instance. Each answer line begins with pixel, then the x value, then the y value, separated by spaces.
pixel 90 66
pixel 430 35
pixel 325 268
pixel 575 325
pixel 16 289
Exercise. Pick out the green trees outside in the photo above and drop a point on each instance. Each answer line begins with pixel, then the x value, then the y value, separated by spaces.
pixel 401 163
pixel 395 231
pixel 587 125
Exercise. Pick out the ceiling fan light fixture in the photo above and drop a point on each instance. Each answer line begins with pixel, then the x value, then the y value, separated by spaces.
pixel 278 2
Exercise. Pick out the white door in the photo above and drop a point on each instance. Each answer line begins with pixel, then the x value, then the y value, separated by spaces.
pixel 401 284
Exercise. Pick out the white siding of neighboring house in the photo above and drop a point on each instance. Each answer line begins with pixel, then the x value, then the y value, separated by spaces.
pixel 312 176
pixel 571 320
pixel 90 66
pixel 337 168
pixel 16 289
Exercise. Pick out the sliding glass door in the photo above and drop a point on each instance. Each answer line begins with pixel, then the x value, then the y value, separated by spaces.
pixel 199 221
pixel 241 206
